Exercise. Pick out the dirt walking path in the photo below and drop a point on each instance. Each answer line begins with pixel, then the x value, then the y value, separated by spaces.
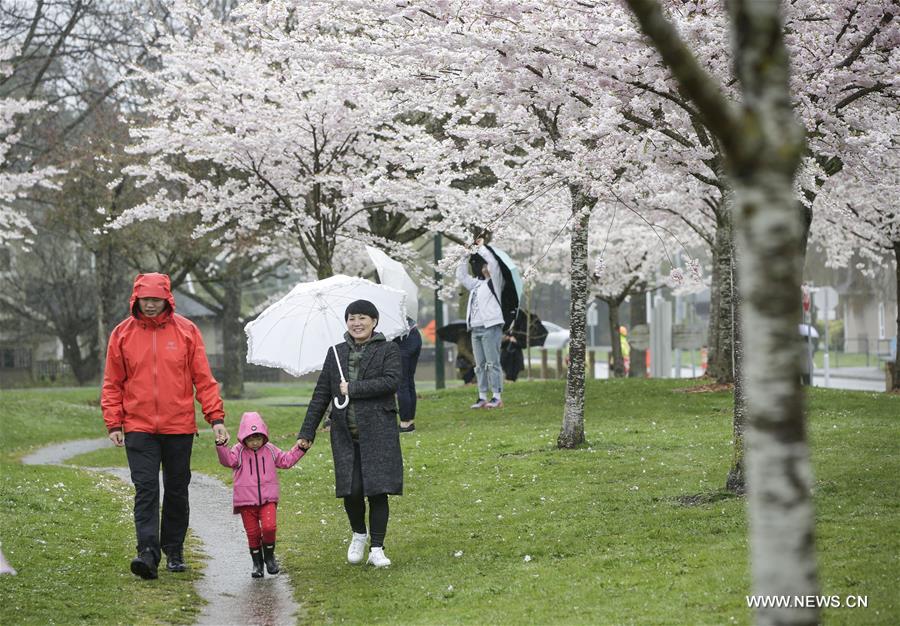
pixel 226 584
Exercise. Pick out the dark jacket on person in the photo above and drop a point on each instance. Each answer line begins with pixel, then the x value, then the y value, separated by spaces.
pixel 373 398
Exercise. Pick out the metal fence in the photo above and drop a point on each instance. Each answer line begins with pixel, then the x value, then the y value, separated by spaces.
pixel 874 350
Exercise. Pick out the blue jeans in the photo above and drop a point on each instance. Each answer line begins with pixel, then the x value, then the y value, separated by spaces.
pixel 486 348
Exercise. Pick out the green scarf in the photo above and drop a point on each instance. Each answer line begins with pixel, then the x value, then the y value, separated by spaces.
pixel 353 359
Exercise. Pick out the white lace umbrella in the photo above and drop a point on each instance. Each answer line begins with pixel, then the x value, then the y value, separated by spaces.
pixel 295 332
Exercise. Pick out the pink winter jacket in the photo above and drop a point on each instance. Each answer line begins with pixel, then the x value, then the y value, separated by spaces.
pixel 255 478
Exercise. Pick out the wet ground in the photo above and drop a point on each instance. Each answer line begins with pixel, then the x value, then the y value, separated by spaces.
pixel 227 584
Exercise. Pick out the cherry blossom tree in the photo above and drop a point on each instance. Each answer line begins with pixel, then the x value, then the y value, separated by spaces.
pixel 629 259
pixel 763 143
pixel 62 88
pixel 843 73
pixel 518 90
pixel 17 183
pixel 305 153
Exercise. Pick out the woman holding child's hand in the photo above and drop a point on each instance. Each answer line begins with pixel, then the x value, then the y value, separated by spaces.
pixel 365 436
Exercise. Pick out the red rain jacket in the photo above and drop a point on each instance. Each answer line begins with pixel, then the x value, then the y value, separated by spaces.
pixel 152 367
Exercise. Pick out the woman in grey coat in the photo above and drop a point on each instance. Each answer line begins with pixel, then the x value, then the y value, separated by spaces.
pixel 365 437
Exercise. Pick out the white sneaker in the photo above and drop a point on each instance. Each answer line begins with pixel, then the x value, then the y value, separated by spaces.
pixel 357 548
pixel 377 558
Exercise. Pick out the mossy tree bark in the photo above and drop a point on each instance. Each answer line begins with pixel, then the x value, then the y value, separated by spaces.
pixel 720 355
pixel 571 434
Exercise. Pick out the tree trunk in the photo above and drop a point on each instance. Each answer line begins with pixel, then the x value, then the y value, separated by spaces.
pixel 83 369
pixel 638 312
pixel 721 320
pixel 895 378
pixel 736 481
pixel 233 343
pixel 572 433
pixel 102 337
pixel 325 269
pixel 764 145
pixel 779 475
pixel 110 293
pixel 618 361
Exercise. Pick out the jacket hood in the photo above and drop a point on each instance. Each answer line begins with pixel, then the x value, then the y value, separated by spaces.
pixel 151 285
pixel 251 424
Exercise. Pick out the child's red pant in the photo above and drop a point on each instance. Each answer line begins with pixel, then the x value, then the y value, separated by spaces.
pixel 259 522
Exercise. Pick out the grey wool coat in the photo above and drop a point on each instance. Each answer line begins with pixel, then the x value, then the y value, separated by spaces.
pixel 373 395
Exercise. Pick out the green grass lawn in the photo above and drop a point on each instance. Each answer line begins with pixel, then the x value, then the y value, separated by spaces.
pixel 847 359
pixel 496 525
pixel 70 533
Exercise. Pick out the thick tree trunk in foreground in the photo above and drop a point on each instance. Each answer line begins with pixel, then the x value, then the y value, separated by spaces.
pixel 763 143
pixel 779 476
pixel 572 433
pixel 770 228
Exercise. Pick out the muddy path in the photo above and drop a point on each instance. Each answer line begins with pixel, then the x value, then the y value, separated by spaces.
pixel 226 584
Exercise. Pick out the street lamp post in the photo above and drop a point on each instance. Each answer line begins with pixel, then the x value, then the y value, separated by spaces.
pixel 439 376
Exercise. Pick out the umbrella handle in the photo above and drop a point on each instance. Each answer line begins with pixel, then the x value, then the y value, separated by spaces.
pixel 338 403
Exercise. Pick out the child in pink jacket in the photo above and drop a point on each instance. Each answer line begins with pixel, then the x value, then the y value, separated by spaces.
pixel 254 461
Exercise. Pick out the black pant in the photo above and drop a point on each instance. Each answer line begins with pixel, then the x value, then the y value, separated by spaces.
pixel 146 453
pixel 355 505
pixel 410 349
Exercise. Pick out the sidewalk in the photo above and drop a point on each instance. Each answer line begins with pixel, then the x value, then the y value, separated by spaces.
pixel 851 378
pixel 854 378
pixel 856 373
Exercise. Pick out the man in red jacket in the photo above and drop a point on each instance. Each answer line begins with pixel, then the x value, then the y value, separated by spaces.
pixel 154 361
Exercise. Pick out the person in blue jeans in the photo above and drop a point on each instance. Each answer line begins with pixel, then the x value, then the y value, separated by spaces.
pixel 484 319
pixel 410 349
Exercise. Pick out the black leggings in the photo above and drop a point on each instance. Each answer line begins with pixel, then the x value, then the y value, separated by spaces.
pixel 355 505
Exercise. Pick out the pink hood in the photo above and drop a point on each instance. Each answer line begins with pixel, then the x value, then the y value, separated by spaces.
pixel 252 423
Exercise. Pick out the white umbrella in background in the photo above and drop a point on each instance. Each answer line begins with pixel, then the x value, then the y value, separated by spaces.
pixel 295 332
pixel 393 274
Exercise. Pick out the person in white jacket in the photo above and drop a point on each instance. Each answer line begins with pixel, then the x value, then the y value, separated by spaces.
pixel 484 318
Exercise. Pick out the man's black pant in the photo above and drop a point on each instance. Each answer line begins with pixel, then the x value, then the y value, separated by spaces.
pixel 146 453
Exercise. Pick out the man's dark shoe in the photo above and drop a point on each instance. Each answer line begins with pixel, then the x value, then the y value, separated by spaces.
pixel 144 565
pixel 175 561
pixel 408 429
